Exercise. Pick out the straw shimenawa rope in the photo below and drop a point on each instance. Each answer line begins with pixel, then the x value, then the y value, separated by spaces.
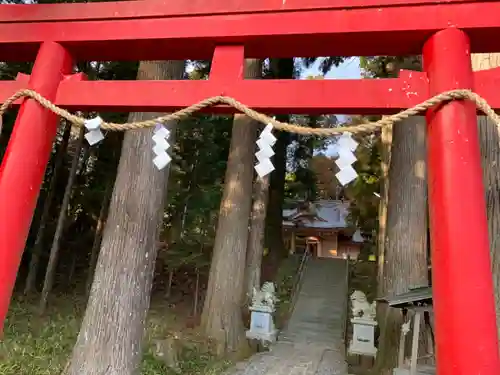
pixel 209 102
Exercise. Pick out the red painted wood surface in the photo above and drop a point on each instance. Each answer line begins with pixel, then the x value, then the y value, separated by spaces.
pixel 356 32
pixel 373 96
pixel 135 9
pixel 192 29
pixel 23 166
pixel 458 218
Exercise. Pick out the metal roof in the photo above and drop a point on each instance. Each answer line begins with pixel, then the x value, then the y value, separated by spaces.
pixel 414 297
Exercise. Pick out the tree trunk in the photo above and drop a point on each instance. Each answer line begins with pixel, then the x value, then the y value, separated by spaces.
pixel 174 232
pixel 256 237
pixel 196 293
pixel 101 222
pixel 54 250
pixel 490 152
pixel 38 246
pixel 385 156
pixel 72 267
pixel 406 240
pixel 280 69
pixel 221 318
pixel 83 164
pixel 111 335
pixel 274 217
pixel 168 294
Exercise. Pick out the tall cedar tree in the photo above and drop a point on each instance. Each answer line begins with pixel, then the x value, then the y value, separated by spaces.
pixel 222 315
pixel 111 335
pixel 405 249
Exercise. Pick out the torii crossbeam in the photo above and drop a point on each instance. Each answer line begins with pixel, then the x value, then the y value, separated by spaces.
pixel 444 32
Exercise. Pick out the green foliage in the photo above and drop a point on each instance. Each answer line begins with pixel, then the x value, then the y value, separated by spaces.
pixel 192 362
pixel 388 66
pixel 301 181
pixel 285 279
pixel 41 345
pixel 195 185
pixel 35 345
pixel 195 188
pixel 364 192
pixel 325 63
pixel 363 276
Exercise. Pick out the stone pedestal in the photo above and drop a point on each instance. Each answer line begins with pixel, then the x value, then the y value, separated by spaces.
pixel 262 325
pixel 363 337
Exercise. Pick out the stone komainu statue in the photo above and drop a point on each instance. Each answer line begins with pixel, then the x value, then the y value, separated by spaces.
pixel 265 296
pixel 361 307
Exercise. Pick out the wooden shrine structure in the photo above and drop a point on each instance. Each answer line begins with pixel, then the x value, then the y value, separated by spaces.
pixel 445 32
pixel 418 301
pixel 321 227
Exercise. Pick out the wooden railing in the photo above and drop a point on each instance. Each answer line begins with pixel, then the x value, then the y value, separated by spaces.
pixel 298 278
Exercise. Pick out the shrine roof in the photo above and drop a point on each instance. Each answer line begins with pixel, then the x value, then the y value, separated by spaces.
pixel 328 214
pixel 414 297
pixel 322 214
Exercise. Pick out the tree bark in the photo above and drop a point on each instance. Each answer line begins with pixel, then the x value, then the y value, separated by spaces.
pixel 111 335
pixel 255 248
pixel 222 315
pixel 101 222
pixel 385 156
pixel 405 263
pixel 280 69
pixel 490 153
pixel 196 298
pixel 274 217
pixel 168 294
pixel 38 246
pixel 63 213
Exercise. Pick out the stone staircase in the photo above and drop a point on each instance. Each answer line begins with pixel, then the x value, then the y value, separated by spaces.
pixel 312 343
pixel 319 313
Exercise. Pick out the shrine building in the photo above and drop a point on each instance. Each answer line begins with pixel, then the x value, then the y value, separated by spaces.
pixel 321 227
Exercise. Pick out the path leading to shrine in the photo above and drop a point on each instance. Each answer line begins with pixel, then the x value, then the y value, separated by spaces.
pixel 313 341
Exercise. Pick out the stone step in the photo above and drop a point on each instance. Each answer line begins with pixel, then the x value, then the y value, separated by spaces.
pixel 327 327
pixel 299 338
pixel 293 338
pixel 318 315
pixel 310 340
pixel 302 331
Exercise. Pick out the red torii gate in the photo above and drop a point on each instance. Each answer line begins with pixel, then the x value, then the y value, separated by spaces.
pixel 445 32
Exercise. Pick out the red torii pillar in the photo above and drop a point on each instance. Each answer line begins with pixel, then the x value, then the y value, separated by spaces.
pixel 465 345
pixel 24 164
pixel 465 319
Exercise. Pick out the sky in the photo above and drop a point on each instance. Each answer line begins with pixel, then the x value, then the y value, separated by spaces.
pixel 348 70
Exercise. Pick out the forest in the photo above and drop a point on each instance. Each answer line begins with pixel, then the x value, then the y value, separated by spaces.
pixel 117 249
